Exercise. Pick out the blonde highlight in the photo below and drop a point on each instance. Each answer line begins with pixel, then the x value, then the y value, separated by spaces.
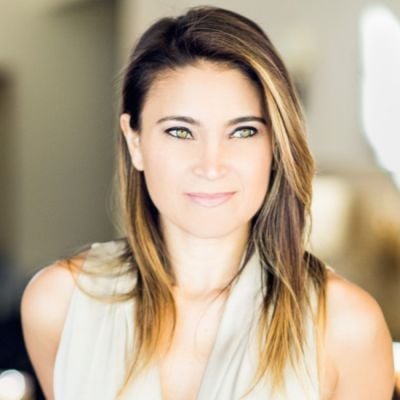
pixel 279 229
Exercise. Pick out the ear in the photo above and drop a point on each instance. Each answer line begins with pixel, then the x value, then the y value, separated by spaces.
pixel 132 140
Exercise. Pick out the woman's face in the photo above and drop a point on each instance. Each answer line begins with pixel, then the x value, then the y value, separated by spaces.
pixel 192 141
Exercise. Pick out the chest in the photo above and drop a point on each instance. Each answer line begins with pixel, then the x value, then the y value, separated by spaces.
pixel 183 365
pixel 184 362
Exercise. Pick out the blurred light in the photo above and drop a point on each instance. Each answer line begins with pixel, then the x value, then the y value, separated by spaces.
pixel 331 209
pixel 396 353
pixel 12 385
pixel 380 54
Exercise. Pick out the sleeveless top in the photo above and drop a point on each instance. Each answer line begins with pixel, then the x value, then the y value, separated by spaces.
pixel 97 338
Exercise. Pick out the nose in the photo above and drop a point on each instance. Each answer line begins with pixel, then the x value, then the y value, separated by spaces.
pixel 211 161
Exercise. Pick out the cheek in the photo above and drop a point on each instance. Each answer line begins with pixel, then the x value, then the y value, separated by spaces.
pixel 255 176
pixel 166 171
pixel 161 174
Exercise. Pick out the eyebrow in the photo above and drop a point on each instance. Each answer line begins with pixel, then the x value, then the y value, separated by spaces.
pixel 231 122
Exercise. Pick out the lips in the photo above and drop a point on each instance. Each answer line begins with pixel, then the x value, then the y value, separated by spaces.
pixel 210 195
pixel 210 199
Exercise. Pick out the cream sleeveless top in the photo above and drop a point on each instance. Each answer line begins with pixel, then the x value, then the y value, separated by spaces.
pixel 97 337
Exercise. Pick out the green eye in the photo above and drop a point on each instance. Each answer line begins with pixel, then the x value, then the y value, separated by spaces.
pixel 247 132
pixel 180 133
pixel 183 133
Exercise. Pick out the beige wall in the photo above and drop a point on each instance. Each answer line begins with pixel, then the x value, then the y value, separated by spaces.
pixel 61 61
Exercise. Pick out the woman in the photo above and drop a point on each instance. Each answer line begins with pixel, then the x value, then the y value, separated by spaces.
pixel 212 294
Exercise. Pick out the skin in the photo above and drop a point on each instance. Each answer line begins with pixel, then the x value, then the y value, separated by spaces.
pixel 206 243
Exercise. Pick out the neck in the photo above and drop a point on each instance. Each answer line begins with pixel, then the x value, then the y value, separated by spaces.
pixel 204 267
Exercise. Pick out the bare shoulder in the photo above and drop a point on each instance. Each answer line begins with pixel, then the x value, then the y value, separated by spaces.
pixel 358 342
pixel 48 294
pixel 44 305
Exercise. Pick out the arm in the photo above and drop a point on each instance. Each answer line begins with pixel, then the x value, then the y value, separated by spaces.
pixel 359 343
pixel 44 306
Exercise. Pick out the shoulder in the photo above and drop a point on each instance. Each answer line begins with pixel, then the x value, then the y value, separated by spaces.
pixel 44 305
pixel 358 342
pixel 49 291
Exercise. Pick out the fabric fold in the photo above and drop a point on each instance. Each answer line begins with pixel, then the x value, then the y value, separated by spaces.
pixel 97 337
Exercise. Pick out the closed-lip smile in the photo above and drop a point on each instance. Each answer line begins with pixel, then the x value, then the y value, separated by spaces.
pixel 210 195
pixel 210 199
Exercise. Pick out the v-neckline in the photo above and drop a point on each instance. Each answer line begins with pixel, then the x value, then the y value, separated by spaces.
pixel 237 313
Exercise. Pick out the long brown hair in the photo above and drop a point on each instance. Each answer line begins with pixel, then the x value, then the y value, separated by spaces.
pixel 279 228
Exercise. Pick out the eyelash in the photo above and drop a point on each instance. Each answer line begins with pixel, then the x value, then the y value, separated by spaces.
pixel 255 131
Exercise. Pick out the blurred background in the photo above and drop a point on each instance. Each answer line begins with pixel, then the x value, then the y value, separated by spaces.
pixel 60 61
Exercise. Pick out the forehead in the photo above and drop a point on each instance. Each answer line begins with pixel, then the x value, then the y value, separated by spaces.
pixel 204 86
